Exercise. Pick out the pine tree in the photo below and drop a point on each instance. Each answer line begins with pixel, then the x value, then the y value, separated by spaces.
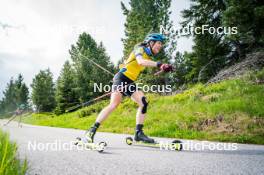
pixel 43 91
pixel 87 73
pixel 66 89
pixel 16 95
pixel 212 52
pixel 24 96
pixel 182 67
pixel 248 17
pixel 2 107
pixel 144 17
pixel 22 93
pixel 208 48
pixel 9 100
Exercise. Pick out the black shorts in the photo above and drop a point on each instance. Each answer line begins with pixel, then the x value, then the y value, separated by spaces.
pixel 123 84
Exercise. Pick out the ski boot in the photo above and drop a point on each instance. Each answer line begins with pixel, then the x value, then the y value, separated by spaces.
pixel 89 135
pixel 140 136
pixel 88 140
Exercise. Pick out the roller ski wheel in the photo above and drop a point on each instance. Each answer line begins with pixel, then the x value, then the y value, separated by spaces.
pixel 129 140
pixel 174 145
pixel 177 145
pixel 100 147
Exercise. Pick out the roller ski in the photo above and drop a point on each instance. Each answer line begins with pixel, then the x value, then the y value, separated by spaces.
pixel 88 141
pixel 141 139
pixel 100 147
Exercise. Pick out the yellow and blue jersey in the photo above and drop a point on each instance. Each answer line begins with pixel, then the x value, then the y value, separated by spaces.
pixel 131 68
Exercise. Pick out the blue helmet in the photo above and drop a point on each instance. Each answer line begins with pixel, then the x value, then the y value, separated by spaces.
pixel 154 37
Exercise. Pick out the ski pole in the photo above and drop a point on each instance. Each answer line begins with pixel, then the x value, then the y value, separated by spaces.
pixel 102 96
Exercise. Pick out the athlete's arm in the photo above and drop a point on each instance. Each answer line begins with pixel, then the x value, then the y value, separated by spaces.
pixel 148 63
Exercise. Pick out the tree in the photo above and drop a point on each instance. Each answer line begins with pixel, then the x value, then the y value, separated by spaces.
pixel 207 47
pixel 66 89
pixel 182 67
pixel 144 17
pixel 83 53
pixel 24 96
pixel 1 107
pixel 43 91
pixel 212 52
pixel 248 17
pixel 22 92
pixel 9 100
pixel 16 95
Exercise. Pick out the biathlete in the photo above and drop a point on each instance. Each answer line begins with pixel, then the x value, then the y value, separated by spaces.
pixel 139 58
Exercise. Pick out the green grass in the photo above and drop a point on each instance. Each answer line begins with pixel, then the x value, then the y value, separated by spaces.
pixel 9 163
pixel 230 111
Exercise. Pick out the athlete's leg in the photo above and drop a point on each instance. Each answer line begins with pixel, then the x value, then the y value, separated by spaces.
pixel 141 100
pixel 115 100
pixel 138 96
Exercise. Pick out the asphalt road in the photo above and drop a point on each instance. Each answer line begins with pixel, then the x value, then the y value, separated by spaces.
pixel 43 148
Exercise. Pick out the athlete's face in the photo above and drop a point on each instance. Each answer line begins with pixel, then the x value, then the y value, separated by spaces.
pixel 156 47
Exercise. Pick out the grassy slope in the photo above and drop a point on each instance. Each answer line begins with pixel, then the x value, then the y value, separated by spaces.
pixel 9 164
pixel 231 110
